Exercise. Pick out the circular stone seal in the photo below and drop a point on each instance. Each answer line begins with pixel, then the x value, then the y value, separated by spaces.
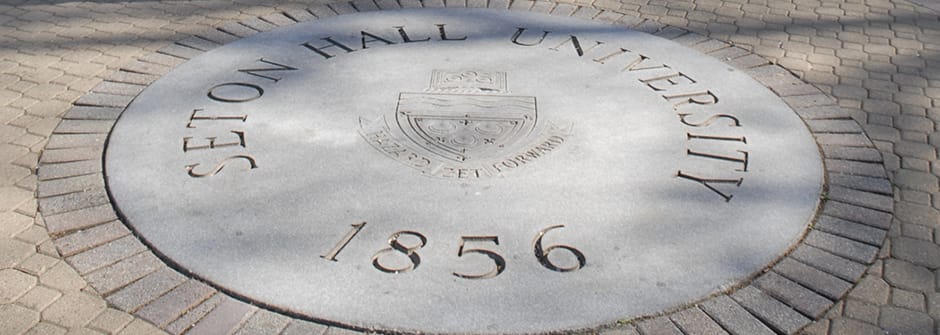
pixel 463 171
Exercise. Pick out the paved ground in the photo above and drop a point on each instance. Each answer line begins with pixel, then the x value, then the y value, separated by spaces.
pixel 879 58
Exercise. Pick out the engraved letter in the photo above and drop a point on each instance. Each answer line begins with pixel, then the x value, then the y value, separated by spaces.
pixel 440 28
pixel 418 161
pixel 319 50
pixel 661 83
pixel 448 172
pixel 577 45
pixel 331 256
pixel 705 182
pixel 192 173
pixel 533 154
pixel 194 117
pixel 743 160
pixel 634 65
pixel 235 92
pixel 372 38
pixel 711 119
pixel 515 38
pixel 698 98
pixel 212 144
pixel 604 59
pixel 741 139
pixel 278 67
pixel 467 173
pixel 406 39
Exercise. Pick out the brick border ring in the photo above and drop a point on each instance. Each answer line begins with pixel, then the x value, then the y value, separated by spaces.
pixel 856 209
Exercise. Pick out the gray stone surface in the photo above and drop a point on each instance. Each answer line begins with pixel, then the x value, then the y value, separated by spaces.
pixel 70 155
pixel 171 305
pixel 841 246
pixel 299 327
pixel 852 327
pixel 864 199
pixel 264 322
pixel 908 276
pixel 224 319
pixel 122 273
pixel 195 314
pixel 103 113
pixel 70 184
pixel 871 289
pixel 858 214
pixel 103 100
pixel 74 201
pixel 800 298
pixel 904 321
pixel 815 279
pixel 90 238
pixel 861 310
pixel 852 230
pixel 852 153
pixel 657 326
pixel 307 162
pixel 773 312
pixel 694 321
pixel 135 295
pixel 887 43
pixel 79 219
pixel 835 265
pixel 131 78
pixel 106 254
pixel 916 251
pixel 734 318
pixel 75 140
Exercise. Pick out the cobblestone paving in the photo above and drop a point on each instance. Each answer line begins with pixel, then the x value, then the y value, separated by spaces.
pixel 879 58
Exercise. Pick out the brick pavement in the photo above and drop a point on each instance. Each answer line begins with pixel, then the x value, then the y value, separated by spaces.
pixel 880 59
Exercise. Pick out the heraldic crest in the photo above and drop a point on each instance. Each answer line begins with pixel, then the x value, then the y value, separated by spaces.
pixel 465 121
pixel 463 115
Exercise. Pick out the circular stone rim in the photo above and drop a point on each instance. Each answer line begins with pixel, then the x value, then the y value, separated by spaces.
pixel 205 235
pixel 96 112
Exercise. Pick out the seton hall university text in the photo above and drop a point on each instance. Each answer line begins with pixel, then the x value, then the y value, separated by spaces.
pixel 685 95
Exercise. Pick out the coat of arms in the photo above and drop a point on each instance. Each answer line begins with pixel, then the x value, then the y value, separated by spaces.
pixel 464 115
pixel 466 123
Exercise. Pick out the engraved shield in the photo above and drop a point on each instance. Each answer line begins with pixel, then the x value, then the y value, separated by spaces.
pixel 462 127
